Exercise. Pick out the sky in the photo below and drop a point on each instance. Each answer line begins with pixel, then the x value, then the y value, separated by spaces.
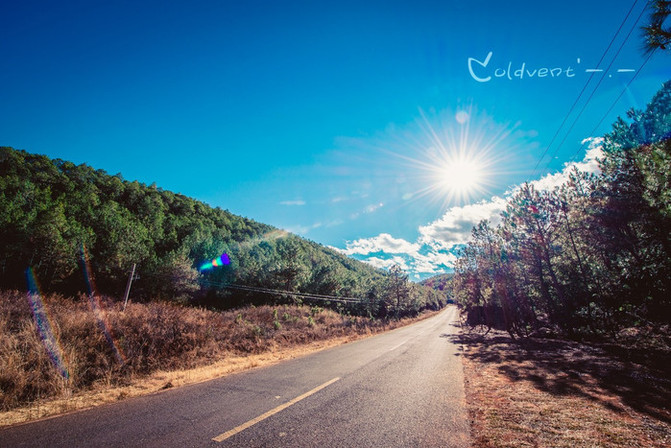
pixel 383 129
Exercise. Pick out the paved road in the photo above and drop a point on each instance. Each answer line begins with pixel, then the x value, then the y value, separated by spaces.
pixel 403 388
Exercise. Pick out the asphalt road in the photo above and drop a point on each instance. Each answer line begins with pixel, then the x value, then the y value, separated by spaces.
pixel 403 388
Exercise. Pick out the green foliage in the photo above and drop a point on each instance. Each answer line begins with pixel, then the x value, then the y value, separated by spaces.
pixel 441 289
pixel 590 257
pixel 395 296
pixel 173 278
pixel 657 35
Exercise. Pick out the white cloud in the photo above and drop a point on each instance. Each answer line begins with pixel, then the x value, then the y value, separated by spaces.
pixel 443 258
pixel 384 242
pixel 386 263
pixel 334 223
pixel 548 182
pixel 424 265
pixel 368 209
pixel 434 249
pixel 431 253
pixel 429 263
pixel 303 230
pixel 298 230
pixel 372 207
pixel 589 164
pixel 454 227
pixel 297 202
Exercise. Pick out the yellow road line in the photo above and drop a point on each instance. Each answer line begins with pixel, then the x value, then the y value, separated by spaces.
pixel 237 429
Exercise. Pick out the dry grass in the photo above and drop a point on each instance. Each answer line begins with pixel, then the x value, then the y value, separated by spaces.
pixel 110 355
pixel 548 393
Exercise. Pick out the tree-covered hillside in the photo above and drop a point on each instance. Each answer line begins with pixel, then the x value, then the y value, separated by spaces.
pixel 62 221
pixel 442 284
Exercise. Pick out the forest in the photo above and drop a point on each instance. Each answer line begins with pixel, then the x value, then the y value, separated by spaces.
pixel 590 258
pixel 76 229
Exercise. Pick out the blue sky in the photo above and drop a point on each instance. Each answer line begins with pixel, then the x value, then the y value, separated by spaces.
pixel 333 120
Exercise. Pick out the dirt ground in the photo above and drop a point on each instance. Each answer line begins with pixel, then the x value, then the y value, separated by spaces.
pixel 555 393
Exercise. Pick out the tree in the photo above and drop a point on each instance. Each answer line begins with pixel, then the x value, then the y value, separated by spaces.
pixel 657 36
pixel 290 269
pixel 590 256
pixel 174 278
pixel 396 292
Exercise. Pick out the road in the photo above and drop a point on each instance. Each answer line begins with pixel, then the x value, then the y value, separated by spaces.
pixel 403 388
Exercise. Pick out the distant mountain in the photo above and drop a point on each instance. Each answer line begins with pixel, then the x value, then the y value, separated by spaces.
pixel 79 229
pixel 438 282
pixel 441 283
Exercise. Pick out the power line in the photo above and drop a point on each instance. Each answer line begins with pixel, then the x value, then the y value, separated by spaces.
pixel 603 76
pixel 613 104
pixel 322 297
pixel 585 88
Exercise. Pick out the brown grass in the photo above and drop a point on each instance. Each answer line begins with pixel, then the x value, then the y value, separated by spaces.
pixel 110 354
pixel 550 393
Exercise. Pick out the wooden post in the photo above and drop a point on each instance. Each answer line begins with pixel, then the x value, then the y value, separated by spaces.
pixel 130 280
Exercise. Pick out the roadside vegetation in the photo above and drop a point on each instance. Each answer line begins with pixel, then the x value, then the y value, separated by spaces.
pixel 56 347
pixel 587 259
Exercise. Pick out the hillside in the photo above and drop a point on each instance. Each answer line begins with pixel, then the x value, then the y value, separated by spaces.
pixel 440 282
pixel 78 229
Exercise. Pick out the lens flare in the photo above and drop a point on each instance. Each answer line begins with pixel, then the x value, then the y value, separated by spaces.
pixel 96 308
pixel 462 116
pixel 221 260
pixel 43 324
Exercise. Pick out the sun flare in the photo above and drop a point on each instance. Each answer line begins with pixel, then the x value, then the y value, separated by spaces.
pixel 454 157
pixel 448 157
pixel 460 175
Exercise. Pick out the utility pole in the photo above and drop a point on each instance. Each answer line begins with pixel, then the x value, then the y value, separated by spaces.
pixel 130 280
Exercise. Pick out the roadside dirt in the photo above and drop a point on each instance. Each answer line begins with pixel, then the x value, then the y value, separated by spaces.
pixel 554 393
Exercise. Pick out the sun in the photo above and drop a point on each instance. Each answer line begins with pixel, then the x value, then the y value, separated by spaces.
pixel 454 158
pixel 460 175
pixel 444 159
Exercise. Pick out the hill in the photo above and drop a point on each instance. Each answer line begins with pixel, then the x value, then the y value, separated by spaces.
pixel 438 282
pixel 77 229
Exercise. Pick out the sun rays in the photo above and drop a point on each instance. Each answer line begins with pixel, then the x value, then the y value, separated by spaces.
pixel 454 158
